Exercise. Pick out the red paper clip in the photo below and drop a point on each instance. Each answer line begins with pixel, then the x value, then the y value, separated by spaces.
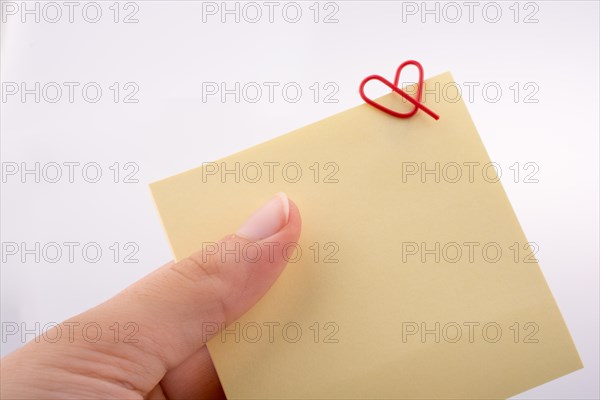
pixel 415 101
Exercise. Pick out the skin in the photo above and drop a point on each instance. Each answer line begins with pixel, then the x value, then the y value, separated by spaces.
pixel 176 309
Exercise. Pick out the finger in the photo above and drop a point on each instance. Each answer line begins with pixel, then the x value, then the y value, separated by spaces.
pixel 180 306
pixel 195 378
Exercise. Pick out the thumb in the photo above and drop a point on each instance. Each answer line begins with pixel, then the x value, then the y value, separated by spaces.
pixel 182 305
pixel 178 307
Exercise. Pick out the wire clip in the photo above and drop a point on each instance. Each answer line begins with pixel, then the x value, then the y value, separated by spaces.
pixel 415 101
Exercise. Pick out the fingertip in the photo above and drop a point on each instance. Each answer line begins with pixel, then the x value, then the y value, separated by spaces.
pixel 290 232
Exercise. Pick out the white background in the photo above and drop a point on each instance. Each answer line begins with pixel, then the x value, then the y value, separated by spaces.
pixel 171 51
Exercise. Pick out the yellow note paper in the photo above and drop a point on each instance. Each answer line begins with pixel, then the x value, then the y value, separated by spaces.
pixel 412 278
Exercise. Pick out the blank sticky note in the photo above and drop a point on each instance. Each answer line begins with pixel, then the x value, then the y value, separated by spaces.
pixel 412 278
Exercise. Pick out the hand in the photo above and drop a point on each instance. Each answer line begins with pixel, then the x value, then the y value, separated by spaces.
pixel 171 309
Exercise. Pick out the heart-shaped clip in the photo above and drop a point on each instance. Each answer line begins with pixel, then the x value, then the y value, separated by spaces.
pixel 415 101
